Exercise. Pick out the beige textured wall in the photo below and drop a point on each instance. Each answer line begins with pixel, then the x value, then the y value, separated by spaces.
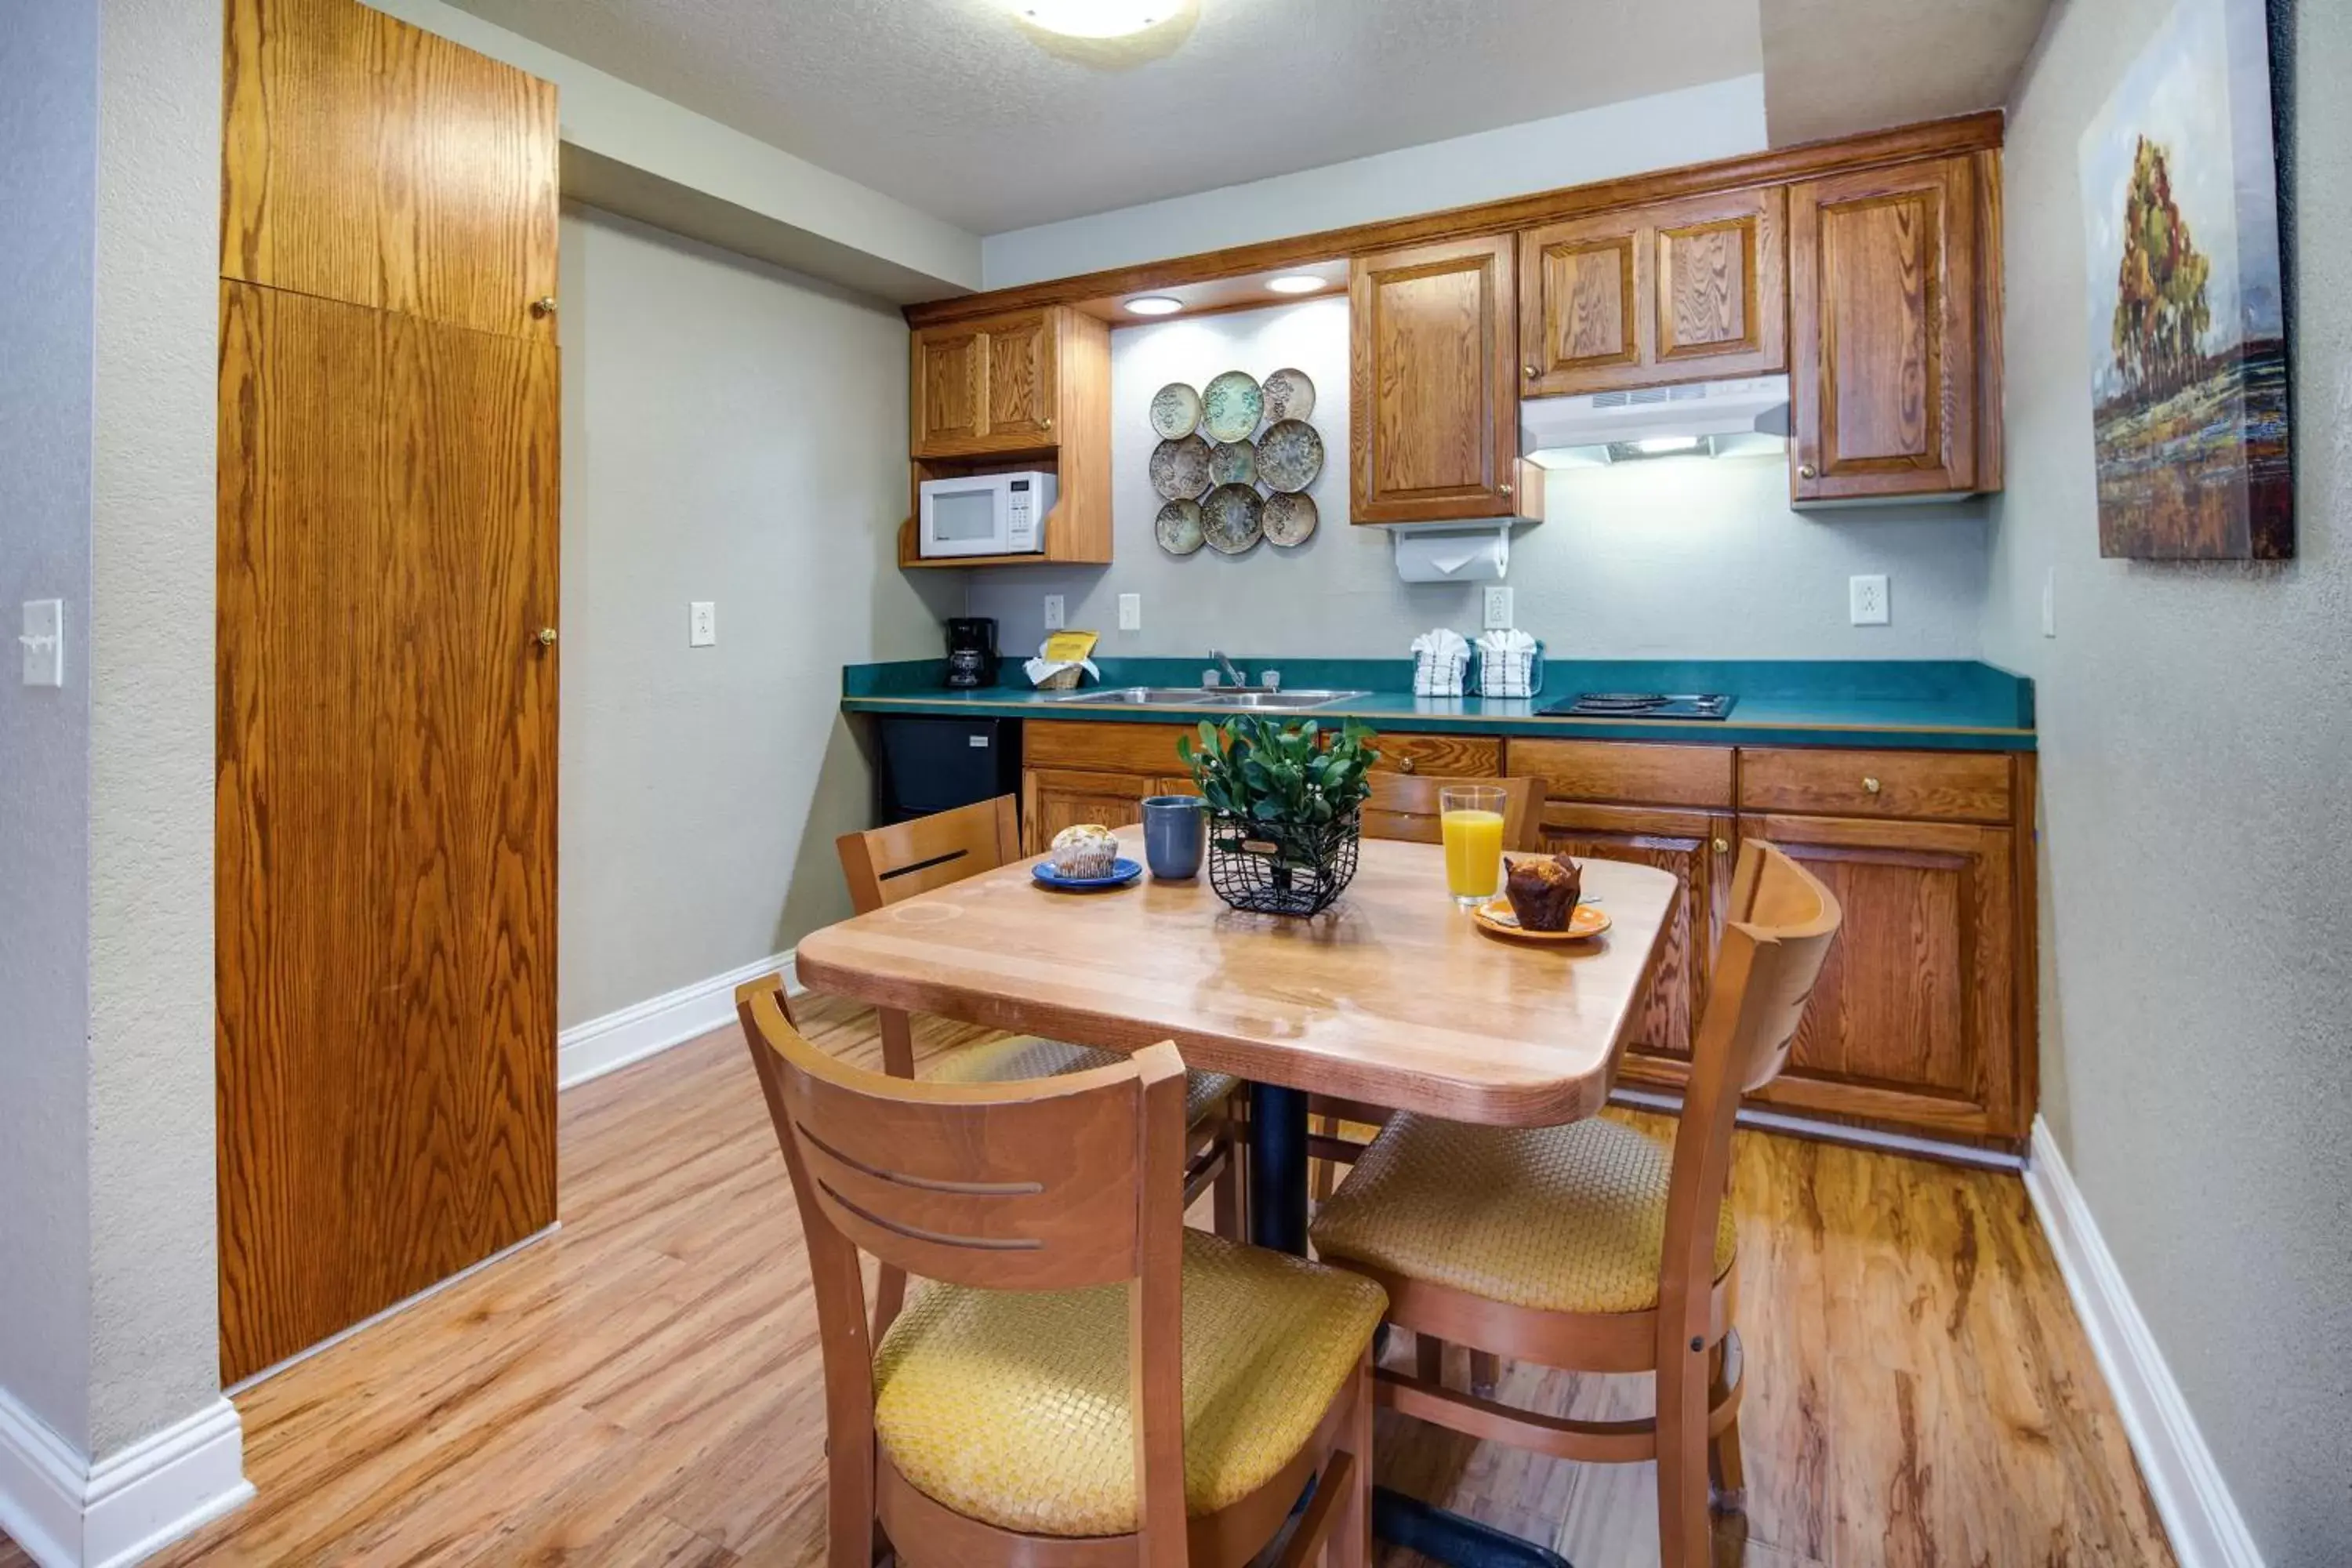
pixel 736 433
pixel 2195 727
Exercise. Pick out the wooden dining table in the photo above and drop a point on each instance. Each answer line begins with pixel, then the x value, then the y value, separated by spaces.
pixel 1392 997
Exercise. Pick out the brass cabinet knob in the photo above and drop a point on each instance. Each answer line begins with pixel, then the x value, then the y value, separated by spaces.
pixel 547 637
pixel 1047 423
pixel 543 307
pixel 1723 846
pixel 1534 373
pixel 1871 785
pixel 1807 471
pixel 1404 764
pixel 1505 488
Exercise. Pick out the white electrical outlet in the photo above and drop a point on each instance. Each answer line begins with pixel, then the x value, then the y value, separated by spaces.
pixel 1868 598
pixel 1055 616
pixel 2049 603
pixel 1498 609
pixel 1131 612
pixel 44 641
pixel 702 623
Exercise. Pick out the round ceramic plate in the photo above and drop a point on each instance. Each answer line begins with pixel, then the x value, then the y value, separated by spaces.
pixel 1175 411
pixel 1179 469
pixel 1289 395
pixel 1230 519
pixel 1233 463
pixel 1496 918
pixel 1178 527
pixel 1289 456
pixel 1289 519
pixel 1122 871
pixel 1231 407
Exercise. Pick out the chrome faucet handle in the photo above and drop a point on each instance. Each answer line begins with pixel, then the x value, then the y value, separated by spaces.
pixel 1208 680
pixel 1270 678
pixel 1239 678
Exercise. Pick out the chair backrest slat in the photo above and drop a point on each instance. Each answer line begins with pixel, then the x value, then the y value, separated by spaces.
pixel 886 864
pixel 1406 807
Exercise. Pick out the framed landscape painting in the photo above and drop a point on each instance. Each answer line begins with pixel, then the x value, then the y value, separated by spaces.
pixel 2188 324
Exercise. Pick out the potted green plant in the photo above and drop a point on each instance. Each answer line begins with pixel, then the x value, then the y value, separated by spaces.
pixel 1285 803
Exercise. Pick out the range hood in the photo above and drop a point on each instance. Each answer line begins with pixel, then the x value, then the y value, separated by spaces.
pixel 1711 418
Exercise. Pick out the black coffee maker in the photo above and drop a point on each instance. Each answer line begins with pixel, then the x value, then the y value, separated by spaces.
pixel 971 651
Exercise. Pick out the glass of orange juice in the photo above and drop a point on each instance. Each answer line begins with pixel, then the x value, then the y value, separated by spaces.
pixel 1470 818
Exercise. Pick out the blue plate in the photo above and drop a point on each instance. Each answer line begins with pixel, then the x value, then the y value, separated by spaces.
pixel 1122 871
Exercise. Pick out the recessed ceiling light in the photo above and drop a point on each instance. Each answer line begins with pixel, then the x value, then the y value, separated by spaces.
pixel 1094 18
pixel 1659 446
pixel 1154 305
pixel 1295 283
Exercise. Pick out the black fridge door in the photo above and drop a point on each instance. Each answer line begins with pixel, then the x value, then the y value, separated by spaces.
pixel 929 764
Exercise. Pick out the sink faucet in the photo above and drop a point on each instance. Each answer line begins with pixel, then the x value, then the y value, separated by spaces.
pixel 1235 676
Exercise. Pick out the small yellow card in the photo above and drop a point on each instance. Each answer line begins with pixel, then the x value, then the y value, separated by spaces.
pixel 1068 647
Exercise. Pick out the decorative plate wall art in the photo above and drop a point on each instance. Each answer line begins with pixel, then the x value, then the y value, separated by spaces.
pixel 2187 329
pixel 1235 462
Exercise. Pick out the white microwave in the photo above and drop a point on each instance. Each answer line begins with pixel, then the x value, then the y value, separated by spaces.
pixel 985 514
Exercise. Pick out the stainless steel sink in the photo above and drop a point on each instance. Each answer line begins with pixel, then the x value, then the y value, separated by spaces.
pixel 1202 696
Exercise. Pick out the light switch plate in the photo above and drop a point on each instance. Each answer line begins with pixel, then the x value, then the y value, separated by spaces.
pixel 2050 603
pixel 44 641
pixel 1868 596
pixel 1055 616
pixel 1498 609
pixel 702 623
pixel 1131 612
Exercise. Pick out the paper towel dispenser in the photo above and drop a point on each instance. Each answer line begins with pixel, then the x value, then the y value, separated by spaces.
pixel 1477 552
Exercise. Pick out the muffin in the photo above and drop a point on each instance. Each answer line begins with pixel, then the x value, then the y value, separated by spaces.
pixel 1085 850
pixel 1544 893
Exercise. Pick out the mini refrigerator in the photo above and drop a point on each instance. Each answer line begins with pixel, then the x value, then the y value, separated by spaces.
pixel 926 763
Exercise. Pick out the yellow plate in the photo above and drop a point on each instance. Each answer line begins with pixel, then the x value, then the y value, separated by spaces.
pixel 1496 919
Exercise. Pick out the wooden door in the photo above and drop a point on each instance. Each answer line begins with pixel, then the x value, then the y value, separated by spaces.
pixel 1912 1019
pixel 386 809
pixel 1696 848
pixel 367 161
pixel 1883 279
pixel 1021 381
pixel 948 379
pixel 1055 798
pixel 1683 290
pixel 1434 390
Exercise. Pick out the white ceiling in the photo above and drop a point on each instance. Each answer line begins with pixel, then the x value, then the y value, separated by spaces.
pixel 954 107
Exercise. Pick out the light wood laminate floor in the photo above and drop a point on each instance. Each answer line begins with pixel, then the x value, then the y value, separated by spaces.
pixel 643 1387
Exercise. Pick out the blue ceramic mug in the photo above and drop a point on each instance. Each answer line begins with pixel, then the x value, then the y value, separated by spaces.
pixel 1175 834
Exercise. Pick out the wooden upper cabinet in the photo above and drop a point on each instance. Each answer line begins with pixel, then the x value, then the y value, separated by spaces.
pixel 1683 290
pixel 988 386
pixel 1434 394
pixel 370 162
pixel 1885 286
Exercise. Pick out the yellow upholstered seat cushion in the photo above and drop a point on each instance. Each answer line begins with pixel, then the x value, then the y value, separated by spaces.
pixel 1012 1058
pixel 1012 1407
pixel 1565 1219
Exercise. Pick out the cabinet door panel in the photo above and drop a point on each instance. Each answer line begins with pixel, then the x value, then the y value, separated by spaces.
pixel 1581 318
pixel 948 376
pixel 1883 300
pixel 1695 847
pixel 1053 799
pixel 1434 390
pixel 1721 285
pixel 1021 381
pixel 1912 1017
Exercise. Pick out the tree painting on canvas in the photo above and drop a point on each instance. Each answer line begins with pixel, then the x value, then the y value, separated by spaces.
pixel 2187 331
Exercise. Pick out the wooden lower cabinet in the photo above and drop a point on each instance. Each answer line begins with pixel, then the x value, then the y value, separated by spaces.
pixel 1055 798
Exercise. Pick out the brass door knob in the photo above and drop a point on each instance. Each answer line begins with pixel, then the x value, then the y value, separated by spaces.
pixel 1723 846
pixel 1807 471
pixel 1404 764
pixel 547 637
pixel 1871 785
pixel 543 307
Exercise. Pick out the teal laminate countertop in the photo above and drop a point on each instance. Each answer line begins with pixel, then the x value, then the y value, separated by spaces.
pixel 1917 704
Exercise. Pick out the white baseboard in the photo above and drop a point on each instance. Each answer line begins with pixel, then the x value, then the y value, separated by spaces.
pixel 1671 1102
pixel 647 1029
pixel 68 1512
pixel 2191 1495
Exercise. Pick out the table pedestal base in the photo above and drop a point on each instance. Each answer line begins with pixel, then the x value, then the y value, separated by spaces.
pixel 1277 1217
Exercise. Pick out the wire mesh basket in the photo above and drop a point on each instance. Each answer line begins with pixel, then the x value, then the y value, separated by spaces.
pixel 1282 868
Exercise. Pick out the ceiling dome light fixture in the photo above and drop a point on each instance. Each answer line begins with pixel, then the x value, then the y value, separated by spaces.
pixel 1094 18
pixel 1154 305
pixel 1295 283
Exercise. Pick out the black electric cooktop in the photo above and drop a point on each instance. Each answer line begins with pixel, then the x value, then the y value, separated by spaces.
pixel 1641 705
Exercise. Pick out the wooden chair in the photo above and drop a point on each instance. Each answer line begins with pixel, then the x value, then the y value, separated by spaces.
pixel 1593 1247
pixel 887 865
pixel 1405 806
pixel 1015 1414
